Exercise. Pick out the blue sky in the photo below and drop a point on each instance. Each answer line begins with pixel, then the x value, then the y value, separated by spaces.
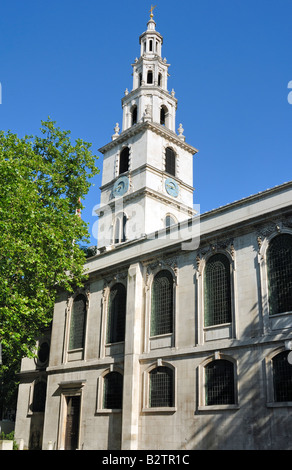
pixel 231 62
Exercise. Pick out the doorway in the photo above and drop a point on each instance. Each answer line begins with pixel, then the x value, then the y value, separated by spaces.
pixel 72 422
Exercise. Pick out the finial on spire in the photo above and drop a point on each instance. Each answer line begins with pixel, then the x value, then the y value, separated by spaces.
pixel 151 11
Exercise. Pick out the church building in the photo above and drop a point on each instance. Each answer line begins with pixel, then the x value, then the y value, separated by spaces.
pixel 181 337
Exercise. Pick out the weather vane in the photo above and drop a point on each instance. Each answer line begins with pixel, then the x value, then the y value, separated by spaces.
pixel 151 10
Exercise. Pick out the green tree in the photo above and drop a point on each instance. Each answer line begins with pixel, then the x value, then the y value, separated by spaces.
pixel 43 179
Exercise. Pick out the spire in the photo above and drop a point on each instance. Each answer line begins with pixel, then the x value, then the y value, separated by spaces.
pixel 150 99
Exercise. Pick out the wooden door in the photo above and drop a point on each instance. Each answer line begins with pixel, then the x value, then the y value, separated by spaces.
pixel 72 423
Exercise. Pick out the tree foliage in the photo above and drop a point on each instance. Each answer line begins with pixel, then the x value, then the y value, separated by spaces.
pixel 43 179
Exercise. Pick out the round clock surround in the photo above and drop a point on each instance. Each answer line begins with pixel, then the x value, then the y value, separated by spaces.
pixel 171 187
pixel 121 186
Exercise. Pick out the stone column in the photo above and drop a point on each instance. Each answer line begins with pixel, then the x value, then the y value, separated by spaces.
pixel 131 392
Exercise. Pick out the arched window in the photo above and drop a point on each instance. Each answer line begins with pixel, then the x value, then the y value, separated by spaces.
pixel 219 383
pixel 124 160
pixel 169 220
pixel 116 314
pixel 140 79
pixel 279 267
pixel 163 116
pixel 113 391
pixel 134 115
pixel 43 352
pixel 150 77
pixel 170 161
pixel 77 323
pixel 217 305
pixel 162 304
pixel 161 390
pixel 39 396
pixel 282 376
pixel 120 228
pixel 159 79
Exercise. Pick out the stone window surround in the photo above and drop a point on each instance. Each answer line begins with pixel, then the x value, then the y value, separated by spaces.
pixel 40 378
pixel 227 330
pixel 201 406
pixel 165 340
pixel 276 321
pixel 76 354
pixel 109 349
pixel 99 410
pixel 146 385
pixel 271 403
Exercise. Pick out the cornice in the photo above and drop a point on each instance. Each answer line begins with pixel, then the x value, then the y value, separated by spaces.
pixel 147 192
pixel 152 169
pixel 143 127
pixel 144 90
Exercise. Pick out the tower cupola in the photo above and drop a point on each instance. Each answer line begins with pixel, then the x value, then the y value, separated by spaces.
pixel 150 98
pixel 151 41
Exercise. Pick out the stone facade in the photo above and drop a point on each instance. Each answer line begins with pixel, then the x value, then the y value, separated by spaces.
pixel 254 421
pixel 84 407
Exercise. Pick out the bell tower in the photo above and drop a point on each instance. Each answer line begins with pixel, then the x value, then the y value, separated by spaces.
pixel 147 178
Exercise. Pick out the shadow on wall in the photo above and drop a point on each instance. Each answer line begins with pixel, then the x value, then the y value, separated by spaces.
pixel 253 426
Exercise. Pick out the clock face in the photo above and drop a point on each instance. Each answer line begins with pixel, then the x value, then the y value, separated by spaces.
pixel 121 186
pixel 171 187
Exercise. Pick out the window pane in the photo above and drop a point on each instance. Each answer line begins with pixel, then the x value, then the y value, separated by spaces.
pixel 279 266
pixel 282 372
pixel 113 391
pixel 77 323
pixel 219 383
pixel 116 314
pixel 162 304
pixel 161 387
pixel 217 291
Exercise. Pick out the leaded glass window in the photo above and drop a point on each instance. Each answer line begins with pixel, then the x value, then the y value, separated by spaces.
pixel 219 383
pixel 113 391
pixel 279 266
pixel 170 161
pixel 162 304
pixel 217 291
pixel 116 314
pixel 161 387
pixel 77 323
pixel 282 375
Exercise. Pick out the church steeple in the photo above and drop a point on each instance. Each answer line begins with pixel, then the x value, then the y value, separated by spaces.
pixel 147 178
pixel 150 77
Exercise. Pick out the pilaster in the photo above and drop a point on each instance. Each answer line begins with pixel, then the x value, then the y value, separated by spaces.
pixel 131 392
